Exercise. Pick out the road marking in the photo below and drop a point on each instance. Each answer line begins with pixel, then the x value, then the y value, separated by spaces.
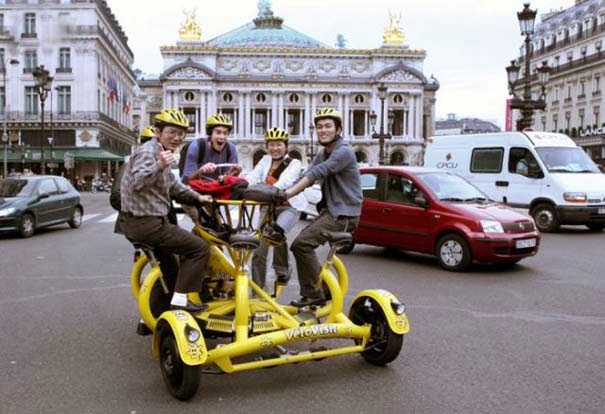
pixel 109 219
pixel 87 217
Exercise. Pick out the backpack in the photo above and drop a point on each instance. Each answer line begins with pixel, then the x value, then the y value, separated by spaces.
pixel 201 145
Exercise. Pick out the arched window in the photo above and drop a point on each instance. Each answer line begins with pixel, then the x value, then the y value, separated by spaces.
pixel 294 98
pixel 326 98
pixel 189 96
pixel 359 99
pixel 261 97
pixel 398 99
pixel 227 97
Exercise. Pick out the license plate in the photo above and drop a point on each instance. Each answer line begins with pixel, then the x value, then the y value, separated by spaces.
pixel 524 244
pixel 601 210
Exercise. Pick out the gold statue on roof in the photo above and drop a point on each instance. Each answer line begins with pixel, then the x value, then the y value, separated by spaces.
pixel 190 30
pixel 393 33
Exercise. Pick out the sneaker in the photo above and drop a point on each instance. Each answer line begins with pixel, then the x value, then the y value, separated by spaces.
pixel 142 329
pixel 307 301
pixel 190 307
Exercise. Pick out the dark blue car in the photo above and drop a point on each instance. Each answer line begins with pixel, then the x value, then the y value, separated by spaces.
pixel 28 203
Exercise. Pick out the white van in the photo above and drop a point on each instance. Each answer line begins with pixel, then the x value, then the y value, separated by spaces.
pixel 544 172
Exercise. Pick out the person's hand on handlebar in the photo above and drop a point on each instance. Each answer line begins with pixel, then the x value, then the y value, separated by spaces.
pixel 204 198
pixel 235 170
pixel 208 168
pixel 280 196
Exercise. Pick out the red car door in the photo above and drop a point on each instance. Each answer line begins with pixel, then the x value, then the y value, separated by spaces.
pixel 406 219
pixel 370 229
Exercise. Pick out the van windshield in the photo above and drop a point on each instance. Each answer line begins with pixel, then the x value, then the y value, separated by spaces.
pixel 566 160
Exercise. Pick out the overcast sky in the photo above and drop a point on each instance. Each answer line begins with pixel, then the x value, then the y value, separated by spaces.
pixel 468 42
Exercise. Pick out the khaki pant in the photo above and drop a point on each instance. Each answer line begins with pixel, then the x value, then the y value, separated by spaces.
pixel 303 247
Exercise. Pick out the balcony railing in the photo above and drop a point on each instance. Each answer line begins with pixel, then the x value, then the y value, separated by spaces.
pixel 63 70
pixel 29 35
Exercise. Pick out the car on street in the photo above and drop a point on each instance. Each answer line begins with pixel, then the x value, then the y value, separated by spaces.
pixel 440 213
pixel 30 202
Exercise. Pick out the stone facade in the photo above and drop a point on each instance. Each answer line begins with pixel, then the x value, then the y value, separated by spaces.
pixel 265 74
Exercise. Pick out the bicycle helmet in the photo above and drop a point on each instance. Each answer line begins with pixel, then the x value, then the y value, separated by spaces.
pixel 219 119
pixel 174 117
pixel 276 134
pixel 330 113
pixel 147 134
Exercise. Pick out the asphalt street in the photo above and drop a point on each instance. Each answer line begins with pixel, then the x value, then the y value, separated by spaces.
pixel 523 339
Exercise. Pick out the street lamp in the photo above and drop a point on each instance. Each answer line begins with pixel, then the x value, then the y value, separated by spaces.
pixel 310 149
pixel 5 133
pixel 526 104
pixel 42 87
pixel 381 136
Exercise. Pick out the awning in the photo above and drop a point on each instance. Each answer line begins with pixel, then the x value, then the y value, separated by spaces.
pixel 80 154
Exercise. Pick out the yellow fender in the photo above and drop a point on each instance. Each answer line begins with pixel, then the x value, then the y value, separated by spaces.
pixel 188 335
pixel 386 300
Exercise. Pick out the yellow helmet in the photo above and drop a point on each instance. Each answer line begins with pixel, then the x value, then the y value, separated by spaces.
pixel 147 134
pixel 276 134
pixel 328 113
pixel 174 117
pixel 219 119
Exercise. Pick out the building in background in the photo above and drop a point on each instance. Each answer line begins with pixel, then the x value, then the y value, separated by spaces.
pixel 88 108
pixel 571 42
pixel 264 74
pixel 453 126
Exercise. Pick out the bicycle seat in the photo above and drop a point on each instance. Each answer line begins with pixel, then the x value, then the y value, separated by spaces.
pixel 337 237
pixel 147 250
pixel 244 241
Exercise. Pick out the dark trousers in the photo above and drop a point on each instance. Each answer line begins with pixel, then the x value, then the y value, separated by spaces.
pixel 303 248
pixel 168 239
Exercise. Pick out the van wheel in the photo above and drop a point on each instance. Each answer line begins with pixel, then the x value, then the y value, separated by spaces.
pixel 453 253
pixel 545 217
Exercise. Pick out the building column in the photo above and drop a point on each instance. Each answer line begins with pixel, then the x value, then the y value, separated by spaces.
pixel 419 116
pixel 347 116
pixel 280 114
pixel 240 116
pixel 197 122
pixel 273 108
pixel 307 117
pixel 247 109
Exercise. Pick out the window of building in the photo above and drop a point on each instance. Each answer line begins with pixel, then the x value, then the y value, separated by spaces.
pixel 31 100
pixel 1 22
pixel 543 121
pixel 190 114
pixel 30 60
pixel 597 83
pixel 29 26
pixel 260 122
pixel 487 160
pixel 555 122
pixel 581 118
pixel 582 87
pixel 569 90
pixel 596 114
pixel 64 99
pixel 557 90
pixel 293 98
pixel 326 98
pixel 189 96
pixel 2 60
pixel 359 99
pixel 261 97
pixel 227 97
pixel 397 122
pixel 398 99
pixel 64 60
pixel 567 120
pixel 359 123
pixel 293 121
pixel 2 100
pixel 557 58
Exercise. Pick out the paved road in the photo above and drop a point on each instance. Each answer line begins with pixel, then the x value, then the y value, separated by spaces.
pixel 528 339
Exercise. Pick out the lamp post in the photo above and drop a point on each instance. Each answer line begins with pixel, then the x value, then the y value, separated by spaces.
pixel 43 86
pixel 381 136
pixel 526 104
pixel 310 149
pixel 5 132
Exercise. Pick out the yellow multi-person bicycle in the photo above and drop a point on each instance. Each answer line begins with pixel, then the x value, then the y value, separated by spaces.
pixel 257 327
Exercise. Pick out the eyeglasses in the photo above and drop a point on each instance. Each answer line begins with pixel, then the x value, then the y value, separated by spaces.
pixel 174 131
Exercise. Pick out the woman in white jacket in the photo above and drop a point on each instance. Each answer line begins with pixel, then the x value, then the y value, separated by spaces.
pixel 278 169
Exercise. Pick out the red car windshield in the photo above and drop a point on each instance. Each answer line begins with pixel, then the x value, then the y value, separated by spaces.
pixel 451 187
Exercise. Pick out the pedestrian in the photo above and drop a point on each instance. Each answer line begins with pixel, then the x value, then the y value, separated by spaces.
pixel 279 169
pixel 336 167
pixel 147 186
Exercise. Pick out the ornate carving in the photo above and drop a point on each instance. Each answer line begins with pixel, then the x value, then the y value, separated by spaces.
pixel 400 76
pixel 228 64
pixel 295 65
pixel 393 34
pixel 360 67
pixel 327 66
pixel 261 65
pixel 188 73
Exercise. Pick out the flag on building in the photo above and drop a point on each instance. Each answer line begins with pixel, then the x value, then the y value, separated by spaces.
pixel 111 90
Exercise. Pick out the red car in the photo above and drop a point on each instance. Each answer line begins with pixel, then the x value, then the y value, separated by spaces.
pixel 439 213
